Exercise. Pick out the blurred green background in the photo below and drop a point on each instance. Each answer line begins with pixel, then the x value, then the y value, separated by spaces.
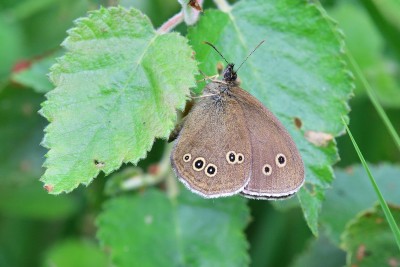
pixel 36 227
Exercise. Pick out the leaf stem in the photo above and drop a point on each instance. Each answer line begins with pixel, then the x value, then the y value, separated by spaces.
pixel 163 170
pixel 223 5
pixel 385 208
pixel 171 181
pixel 171 23
pixel 374 101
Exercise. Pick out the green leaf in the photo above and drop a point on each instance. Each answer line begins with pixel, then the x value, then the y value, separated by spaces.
pixel 382 201
pixel 36 75
pixel 386 16
pixel 152 230
pixel 75 253
pixel 320 252
pixel 369 241
pixel 117 89
pixel 298 73
pixel 377 67
pixel 352 193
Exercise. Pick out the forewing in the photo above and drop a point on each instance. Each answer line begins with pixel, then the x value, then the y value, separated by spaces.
pixel 277 167
pixel 211 130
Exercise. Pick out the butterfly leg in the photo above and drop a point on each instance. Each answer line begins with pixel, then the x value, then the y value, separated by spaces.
pixel 175 132
pixel 206 78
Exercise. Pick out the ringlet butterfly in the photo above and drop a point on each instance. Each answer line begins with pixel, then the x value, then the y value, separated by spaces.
pixel 230 143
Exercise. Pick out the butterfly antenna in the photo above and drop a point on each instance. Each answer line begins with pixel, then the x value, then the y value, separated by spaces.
pixel 210 44
pixel 250 54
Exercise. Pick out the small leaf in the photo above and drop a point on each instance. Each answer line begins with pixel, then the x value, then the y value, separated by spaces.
pixel 153 230
pixel 298 73
pixel 352 193
pixel 117 89
pixel 75 253
pixel 369 241
pixel 36 75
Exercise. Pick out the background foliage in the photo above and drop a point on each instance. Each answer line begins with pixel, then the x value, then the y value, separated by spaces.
pixel 128 217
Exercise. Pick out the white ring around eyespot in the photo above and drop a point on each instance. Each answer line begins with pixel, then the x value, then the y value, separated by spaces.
pixel 237 158
pixel 270 170
pixel 227 157
pixel 211 165
pixel 280 165
pixel 194 162
pixel 184 156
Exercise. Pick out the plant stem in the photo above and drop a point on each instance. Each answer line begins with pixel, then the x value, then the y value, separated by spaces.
pixel 223 5
pixel 385 208
pixel 374 101
pixel 146 179
pixel 171 182
pixel 171 23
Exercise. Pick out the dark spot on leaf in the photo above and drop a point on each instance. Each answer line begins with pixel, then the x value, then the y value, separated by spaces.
pixel 99 164
pixel 297 122
pixel 48 187
pixel 368 214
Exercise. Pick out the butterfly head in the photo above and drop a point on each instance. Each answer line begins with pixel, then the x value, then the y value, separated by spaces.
pixel 229 73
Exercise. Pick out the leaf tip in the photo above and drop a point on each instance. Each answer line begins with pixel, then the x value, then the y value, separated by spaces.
pixel 49 188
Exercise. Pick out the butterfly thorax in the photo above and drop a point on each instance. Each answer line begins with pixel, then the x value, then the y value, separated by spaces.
pixel 220 91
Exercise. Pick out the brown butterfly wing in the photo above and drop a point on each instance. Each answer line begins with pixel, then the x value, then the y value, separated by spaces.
pixel 277 167
pixel 211 130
